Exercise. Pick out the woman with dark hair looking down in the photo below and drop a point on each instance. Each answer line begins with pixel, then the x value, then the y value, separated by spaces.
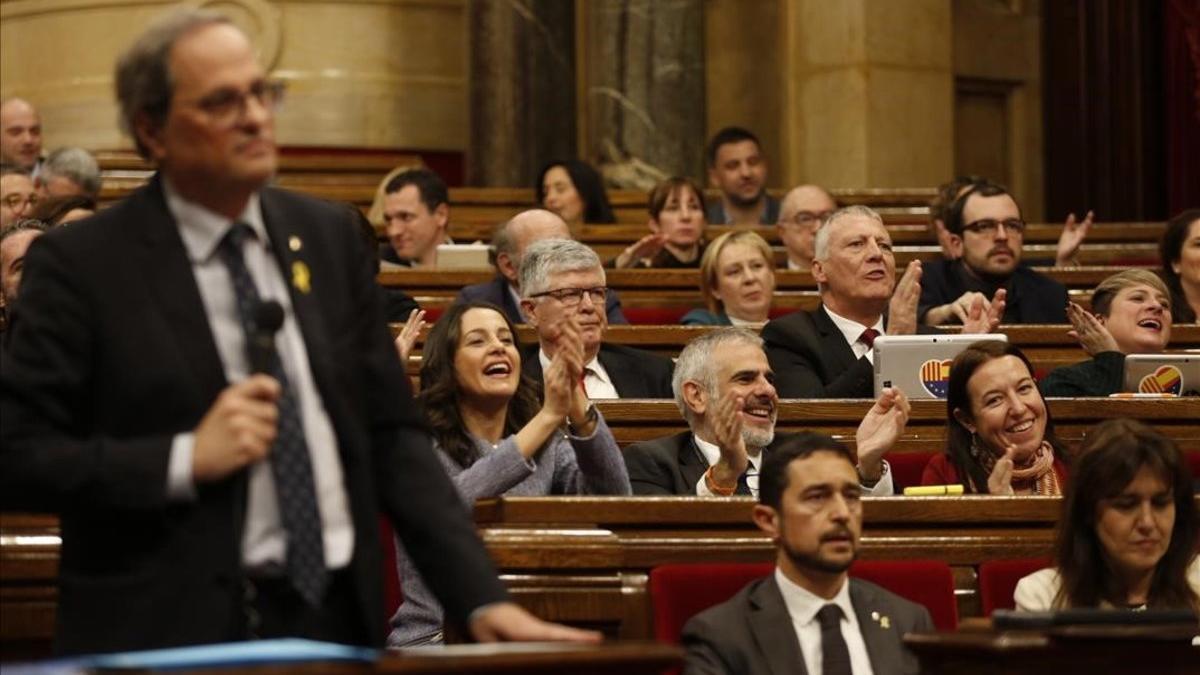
pixel 575 191
pixel 494 437
pixel 1000 439
pixel 1127 536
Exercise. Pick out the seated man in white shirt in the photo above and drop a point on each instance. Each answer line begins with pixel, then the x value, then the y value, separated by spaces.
pixel 809 616
pixel 560 278
pixel 725 389
pixel 827 352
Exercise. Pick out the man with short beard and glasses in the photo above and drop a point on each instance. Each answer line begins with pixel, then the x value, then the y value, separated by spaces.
pixel 809 616
pixel 725 389
pixel 985 232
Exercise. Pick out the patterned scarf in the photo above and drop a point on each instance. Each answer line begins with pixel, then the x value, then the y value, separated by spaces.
pixel 1036 477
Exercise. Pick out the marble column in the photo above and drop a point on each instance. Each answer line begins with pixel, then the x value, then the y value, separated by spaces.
pixel 643 89
pixel 867 89
pixel 522 89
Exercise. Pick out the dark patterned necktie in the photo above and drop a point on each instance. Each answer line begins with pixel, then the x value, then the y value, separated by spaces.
pixel 291 465
pixel 743 483
pixel 868 337
pixel 835 656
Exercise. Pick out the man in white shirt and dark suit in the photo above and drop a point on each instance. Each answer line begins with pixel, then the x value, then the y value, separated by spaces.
pixel 809 616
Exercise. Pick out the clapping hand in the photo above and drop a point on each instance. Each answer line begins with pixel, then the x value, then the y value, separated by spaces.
pixel 1071 239
pixel 645 247
pixel 1092 335
pixel 902 311
pixel 727 432
pixel 880 429
pixel 408 334
pixel 984 316
pixel 1000 480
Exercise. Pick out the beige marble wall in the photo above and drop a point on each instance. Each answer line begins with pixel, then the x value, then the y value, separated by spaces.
pixel 369 73
pixel 998 96
pixel 867 88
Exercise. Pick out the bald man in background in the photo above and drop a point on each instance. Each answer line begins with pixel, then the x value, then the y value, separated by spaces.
pixel 20 134
pixel 800 214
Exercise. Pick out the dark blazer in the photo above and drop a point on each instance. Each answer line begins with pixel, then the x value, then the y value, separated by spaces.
pixel 634 373
pixel 496 292
pixel 109 360
pixel 703 317
pixel 812 359
pixel 671 465
pixel 753 633
pixel 1031 298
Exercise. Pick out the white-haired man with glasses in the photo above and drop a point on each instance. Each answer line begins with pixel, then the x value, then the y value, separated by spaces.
pixel 985 233
pixel 562 278
pixel 725 389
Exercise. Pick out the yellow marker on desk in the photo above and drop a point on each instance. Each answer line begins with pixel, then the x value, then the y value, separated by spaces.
pixel 933 490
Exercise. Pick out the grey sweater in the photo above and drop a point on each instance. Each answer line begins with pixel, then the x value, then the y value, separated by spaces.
pixel 565 465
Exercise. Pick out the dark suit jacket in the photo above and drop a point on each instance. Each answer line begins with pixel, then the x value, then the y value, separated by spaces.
pixel 496 292
pixel 634 373
pixel 752 632
pixel 1031 298
pixel 112 355
pixel 812 359
pixel 671 465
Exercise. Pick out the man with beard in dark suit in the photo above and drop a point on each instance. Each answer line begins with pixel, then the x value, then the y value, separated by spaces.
pixel 562 277
pixel 724 388
pixel 827 353
pixel 809 616
pixel 200 383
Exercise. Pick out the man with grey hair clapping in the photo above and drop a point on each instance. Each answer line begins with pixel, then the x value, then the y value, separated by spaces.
pixel 725 389
pixel 561 278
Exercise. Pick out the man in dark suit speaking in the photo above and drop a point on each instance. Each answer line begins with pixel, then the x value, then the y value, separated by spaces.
pixel 827 352
pixel 809 616
pixel 215 480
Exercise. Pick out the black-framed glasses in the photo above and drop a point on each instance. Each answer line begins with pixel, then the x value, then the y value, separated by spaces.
pixel 226 106
pixel 806 217
pixel 989 226
pixel 571 297
pixel 14 201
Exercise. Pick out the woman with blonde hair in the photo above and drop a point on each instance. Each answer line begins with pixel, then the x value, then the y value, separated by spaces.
pixel 737 281
pixel 1131 314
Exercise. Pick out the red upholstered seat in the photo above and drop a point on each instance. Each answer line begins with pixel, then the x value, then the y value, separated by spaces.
pixel 998 579
pixel 906 468
pixel 654 316
pixel 679 592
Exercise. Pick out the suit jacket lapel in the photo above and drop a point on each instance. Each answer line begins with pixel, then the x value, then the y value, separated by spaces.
pixel 168 273
pixel 281 228
pixel 880 641
pixel 773 631
pixel 833 343
pixel 624 375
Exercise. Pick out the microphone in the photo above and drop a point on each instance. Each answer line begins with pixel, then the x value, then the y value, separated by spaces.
pixel 268 318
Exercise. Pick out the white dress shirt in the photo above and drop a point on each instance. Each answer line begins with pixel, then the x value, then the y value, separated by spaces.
pixel 852 331
pixel 596 381
pixel 712 455
pixel 802 607
pixel 263 539
pixel 884 487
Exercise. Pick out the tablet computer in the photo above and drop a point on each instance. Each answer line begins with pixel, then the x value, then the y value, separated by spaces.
pixel 919 365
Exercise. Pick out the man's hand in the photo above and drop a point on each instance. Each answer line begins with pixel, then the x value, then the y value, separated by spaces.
pixel 880 430
pixel 1092 335
pixel 237 430
pixel 1071 238
pixel 959 309
pixel 508 622
pixel 727 432
pixel 902 311
pixel 985 318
